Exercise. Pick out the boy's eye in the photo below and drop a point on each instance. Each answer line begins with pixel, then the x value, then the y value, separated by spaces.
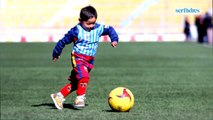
pixel 90 23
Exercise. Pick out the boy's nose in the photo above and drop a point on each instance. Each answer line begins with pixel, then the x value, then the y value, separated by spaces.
pixel 91 26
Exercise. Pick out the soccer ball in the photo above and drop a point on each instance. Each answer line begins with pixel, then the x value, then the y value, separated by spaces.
pixel 121 99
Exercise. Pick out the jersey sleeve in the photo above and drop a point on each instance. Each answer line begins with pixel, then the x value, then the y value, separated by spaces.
pixel 109 30
pixel 69 37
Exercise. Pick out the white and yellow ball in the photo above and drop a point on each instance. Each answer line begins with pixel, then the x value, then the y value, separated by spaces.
pixel 121 99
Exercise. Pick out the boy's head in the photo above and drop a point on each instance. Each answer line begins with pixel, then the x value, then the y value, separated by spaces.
pixel 88 16
pixel 87 13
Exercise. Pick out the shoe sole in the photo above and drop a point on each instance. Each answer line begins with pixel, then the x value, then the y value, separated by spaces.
pixel 79 106
pixel 56 105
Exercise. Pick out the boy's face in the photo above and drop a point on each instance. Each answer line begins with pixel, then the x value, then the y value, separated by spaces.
pixel 89 24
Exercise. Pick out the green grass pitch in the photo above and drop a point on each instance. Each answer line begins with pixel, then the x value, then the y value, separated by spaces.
pixel 170 81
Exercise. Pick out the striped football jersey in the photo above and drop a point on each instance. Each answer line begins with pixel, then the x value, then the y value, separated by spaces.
pixel 85 42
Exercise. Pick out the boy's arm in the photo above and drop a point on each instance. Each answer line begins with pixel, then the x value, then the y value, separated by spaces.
pixel 109 30
pixel 68 38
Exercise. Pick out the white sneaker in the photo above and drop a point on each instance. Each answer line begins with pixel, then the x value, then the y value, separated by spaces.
pixel 80 102
pixel 58 100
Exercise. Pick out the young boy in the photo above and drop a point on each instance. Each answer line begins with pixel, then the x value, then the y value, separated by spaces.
pixel 85 37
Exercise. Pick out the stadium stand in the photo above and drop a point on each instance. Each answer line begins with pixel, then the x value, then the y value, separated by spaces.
pixel 135 17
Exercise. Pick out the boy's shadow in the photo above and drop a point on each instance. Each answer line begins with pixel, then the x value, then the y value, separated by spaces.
pixel 66 106
pixel 52 106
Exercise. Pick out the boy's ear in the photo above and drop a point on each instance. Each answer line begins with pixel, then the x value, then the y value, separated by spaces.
pixel 79 19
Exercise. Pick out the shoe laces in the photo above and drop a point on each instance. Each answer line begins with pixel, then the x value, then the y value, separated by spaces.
pixel 61 98
pixel 82 97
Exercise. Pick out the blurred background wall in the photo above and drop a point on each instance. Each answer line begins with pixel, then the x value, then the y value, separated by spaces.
pixel 135 20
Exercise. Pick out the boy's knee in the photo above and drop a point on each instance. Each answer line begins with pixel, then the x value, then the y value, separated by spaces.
pixel 82 86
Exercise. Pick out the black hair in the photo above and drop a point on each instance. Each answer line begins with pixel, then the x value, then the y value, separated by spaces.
pixel 87 13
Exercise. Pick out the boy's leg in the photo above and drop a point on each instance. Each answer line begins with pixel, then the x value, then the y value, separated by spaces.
pixel 82 74
pixel 59 98
pixel 66 90
pixel 73 80
pixel 83 80
pixel 81 92
pixel 82 66
pixel 82 86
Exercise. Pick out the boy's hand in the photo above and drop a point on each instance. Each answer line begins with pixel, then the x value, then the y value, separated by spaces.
pixel 114 44
pixel 55 56
pixel 54 59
